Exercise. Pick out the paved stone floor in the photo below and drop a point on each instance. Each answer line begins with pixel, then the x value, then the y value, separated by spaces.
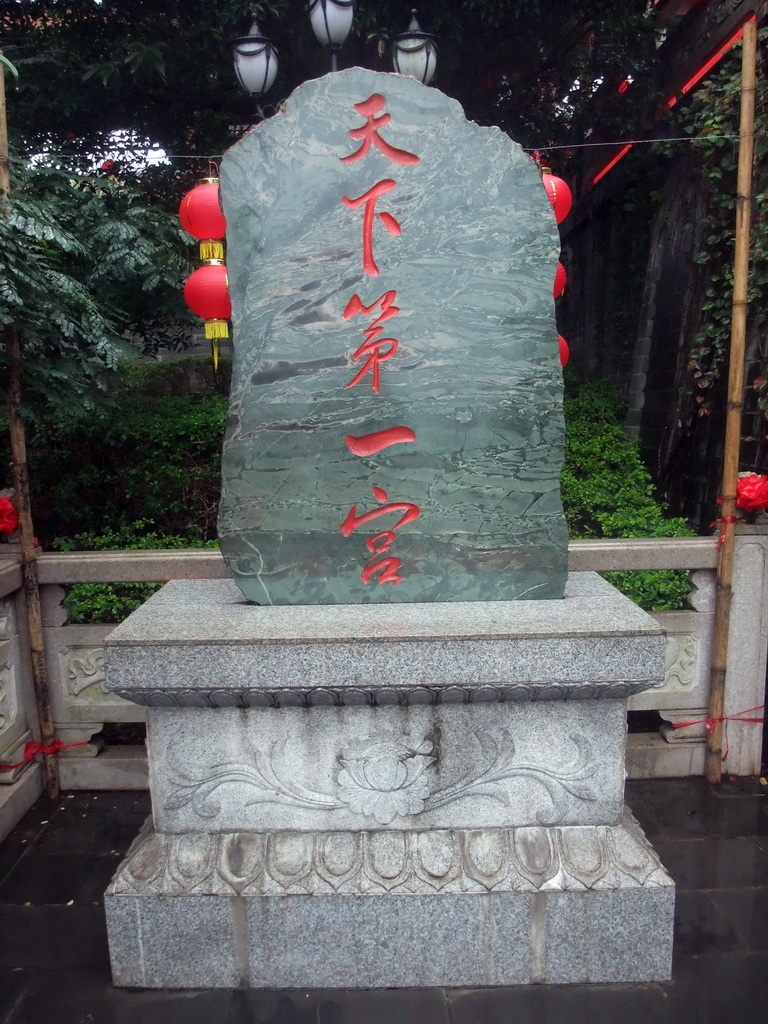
pixel 53 951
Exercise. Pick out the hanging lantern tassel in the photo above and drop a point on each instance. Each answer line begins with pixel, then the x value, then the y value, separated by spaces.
pixel 215 329
pixel 210 249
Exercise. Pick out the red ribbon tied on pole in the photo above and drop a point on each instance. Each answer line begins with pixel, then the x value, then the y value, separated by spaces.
pixel 710 723
pixel 725 521
pixel 32 749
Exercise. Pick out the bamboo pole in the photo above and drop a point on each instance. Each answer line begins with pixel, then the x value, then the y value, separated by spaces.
pixel 714 764
pixel 26 529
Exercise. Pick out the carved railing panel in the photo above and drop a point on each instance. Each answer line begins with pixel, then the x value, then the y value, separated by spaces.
pixel 14 693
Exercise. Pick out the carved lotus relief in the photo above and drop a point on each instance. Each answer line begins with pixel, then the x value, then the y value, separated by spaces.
pixel 384 778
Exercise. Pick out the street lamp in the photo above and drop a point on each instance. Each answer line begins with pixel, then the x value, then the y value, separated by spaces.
pixel 414 52
pixel 255 65
pixel 331 22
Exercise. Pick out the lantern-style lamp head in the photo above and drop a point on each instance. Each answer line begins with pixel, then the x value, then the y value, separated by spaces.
pixel 414 52
pixel 331 22
pixel 255 61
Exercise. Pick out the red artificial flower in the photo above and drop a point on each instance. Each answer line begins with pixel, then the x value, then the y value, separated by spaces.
pixel 9 517
pixel 752 492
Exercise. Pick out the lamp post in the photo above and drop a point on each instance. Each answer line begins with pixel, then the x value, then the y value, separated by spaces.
pixel 414 52
pixel 331 22
pixel 255 66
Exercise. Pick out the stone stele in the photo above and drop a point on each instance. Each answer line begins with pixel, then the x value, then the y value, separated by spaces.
pixel 395 430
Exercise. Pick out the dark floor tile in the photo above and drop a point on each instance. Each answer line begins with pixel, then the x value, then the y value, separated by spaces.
pixel 88 997
pixel 51 880
pixel 276 1006
pixel 728 989
pixel 85 833
pixel 713 863
pixel 747 911
pixel 25 833
pixel 516 1005
pixel 383 1006
pixel 739 786
pixel 134 801
pixel 700 927
pixel 10 855
pixel 12 984
pixel 645 817
pixel 689 808
pixel 587 1004
pixel 561 1004
pixel 649 789
pixel 53 937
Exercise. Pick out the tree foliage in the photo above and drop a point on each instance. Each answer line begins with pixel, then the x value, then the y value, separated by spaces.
pixel 90 262
pixel 89 271
pixel 163 68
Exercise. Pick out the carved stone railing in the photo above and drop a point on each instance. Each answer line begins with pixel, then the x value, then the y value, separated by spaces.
pixel 82 705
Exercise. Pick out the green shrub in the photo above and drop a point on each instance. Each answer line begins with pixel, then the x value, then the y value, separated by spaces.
pixel 607 490
pixel 186 376
pixel 153 458
pixel 112 602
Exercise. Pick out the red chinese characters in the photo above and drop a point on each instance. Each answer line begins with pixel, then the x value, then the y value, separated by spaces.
pixel 376 349
pixel 370 444
pixel 386 537
pixel 368 199
pixel 369 133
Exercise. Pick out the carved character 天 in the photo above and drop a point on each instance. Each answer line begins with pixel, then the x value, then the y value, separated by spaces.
pixel 368 134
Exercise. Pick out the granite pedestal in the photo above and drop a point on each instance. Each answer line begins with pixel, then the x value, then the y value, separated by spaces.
pixel 402 796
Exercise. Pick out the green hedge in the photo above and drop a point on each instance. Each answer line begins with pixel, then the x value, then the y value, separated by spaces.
pixel 153 456
pixel 147 476
pixel 112 602
pixel 608 491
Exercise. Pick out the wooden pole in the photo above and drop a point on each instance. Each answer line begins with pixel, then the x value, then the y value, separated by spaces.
pixel 714 754
pixel 29 563
pixel 26 530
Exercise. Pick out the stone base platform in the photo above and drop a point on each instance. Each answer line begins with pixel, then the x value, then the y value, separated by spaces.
pixel 447 908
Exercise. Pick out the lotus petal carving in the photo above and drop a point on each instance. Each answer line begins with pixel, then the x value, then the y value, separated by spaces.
pixel 384 778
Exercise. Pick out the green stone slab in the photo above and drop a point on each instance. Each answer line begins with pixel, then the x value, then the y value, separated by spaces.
pixel 474 379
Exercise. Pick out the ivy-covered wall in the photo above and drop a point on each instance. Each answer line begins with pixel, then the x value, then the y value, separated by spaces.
pixel 650 256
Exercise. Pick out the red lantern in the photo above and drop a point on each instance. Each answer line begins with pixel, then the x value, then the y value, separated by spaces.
pixel 564 351
pixel 207 294
pixel 200 215
pixel 559 194
pixel 559 280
